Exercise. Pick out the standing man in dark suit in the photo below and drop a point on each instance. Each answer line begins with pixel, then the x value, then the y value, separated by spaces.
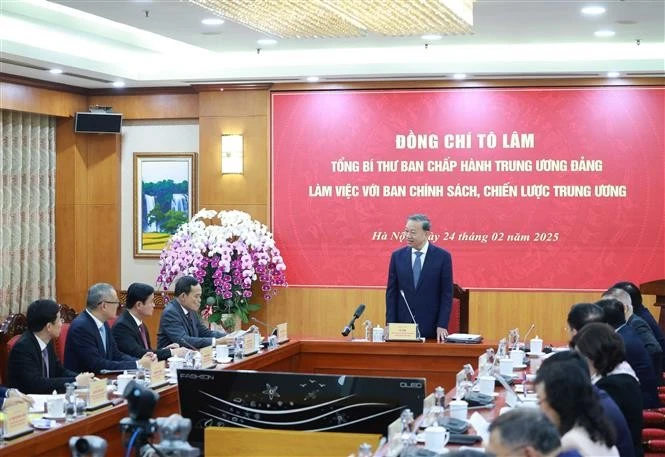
pixel 33 366
pixel 424 274
pixel 129 330
pixel 180 321
pixel 90 345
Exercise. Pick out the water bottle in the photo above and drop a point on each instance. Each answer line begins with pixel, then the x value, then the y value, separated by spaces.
pixel 408 437
pixel 70 402
pixel 365 450
pixel 238 349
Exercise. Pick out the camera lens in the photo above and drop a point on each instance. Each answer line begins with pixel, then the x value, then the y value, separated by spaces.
pixel 82 446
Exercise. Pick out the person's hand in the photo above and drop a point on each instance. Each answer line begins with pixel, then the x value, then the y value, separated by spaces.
pixel 83 379
pixel 147 360
pixel 441 334
pixel 179 352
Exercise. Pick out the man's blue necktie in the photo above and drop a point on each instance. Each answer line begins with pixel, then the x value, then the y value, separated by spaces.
pixel 417 267
pixel 102 332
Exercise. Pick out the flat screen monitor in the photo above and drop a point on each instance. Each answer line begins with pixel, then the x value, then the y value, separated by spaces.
pixel 98 123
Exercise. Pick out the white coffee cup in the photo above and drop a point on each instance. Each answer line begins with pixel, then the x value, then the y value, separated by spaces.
pixel 175 363
pixel 458 409
pixel 377 334
pixel 221 352
pixel 518 357
pixel 123 380
pixel 55 406
pixel 536 345
pixel 486 384
pixel 506 367
pixel 436 437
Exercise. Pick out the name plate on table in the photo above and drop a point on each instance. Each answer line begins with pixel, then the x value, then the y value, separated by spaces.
pixel 206 357
pixel 158 374
pixel 394 438
pixel 402 332
pixel 16 421
pixel 249 346
pixel 282 333
pixel 97 394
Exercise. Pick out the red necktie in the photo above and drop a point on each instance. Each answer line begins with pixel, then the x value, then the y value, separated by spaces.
pixel 144 336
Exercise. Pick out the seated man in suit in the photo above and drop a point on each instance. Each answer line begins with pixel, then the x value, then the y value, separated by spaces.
pixel 90 345
pixel 636 355
pixel 9 397
pixel 180 321
pixel 129 331
pixel 33 366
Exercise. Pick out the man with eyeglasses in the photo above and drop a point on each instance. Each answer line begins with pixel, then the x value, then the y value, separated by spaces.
pixel 90 344
pixel 525 432
pixel 33 366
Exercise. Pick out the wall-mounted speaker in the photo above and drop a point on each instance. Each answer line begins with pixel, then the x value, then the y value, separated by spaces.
pixel 98 123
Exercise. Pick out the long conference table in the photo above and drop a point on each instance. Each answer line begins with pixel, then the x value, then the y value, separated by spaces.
pixel 437 363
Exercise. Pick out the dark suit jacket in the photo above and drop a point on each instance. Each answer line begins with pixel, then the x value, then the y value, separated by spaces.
pixel 430 300
pixel 653 325
pixel 638 358
pixel 3 393
pixel 613 413
pixel 176 327
pixel 128 338
pixel 84 350
pixel 625 391
pixel 25 368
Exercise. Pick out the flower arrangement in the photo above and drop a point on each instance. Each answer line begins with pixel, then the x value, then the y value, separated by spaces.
pixel 227 252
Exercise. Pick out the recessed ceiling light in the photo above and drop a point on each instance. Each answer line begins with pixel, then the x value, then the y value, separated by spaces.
pixel 55 71
pixel 118 83
pixel 459 76
pixel 593 10
pixel 212 21
pixel 604 33
pixel 266 41
pixel 612 74
pixel 312 79
pixel 431 37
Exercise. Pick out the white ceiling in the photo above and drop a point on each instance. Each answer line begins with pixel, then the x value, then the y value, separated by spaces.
pixel 163 43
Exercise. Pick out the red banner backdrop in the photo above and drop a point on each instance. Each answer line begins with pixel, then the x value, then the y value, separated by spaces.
pixel 527 188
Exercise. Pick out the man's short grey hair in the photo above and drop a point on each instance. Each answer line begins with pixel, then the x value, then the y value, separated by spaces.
pixel 524 427
pixel 621 295
pixel 97 293
pixel 427 225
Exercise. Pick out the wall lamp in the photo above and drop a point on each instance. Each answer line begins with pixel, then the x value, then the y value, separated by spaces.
pixel 232 154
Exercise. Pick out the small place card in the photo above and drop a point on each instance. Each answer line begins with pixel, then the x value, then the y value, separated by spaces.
pixel 16 419
pixel 395 437
pixel 249 344
pixel 428 402
pixel 206 357
pixel 158 373
pixel 282 334
pixel 402 332
pixel 97 393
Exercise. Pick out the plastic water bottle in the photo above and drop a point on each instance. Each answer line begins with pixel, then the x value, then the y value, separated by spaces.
pixel 70 402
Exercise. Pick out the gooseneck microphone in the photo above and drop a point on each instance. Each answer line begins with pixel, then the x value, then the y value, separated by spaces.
pixel 527 333
pixel 186 344
pixel 359 311
pixel 267 327
pixel 406 302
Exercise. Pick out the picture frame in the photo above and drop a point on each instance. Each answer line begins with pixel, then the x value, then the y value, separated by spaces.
pixel 165 196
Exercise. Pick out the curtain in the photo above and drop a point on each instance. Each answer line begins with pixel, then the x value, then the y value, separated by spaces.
pixel 27 210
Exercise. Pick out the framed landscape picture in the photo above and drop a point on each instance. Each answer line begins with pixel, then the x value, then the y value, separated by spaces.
pixel 165 187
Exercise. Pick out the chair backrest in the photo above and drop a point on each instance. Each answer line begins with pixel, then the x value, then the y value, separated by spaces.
pixel 67 313
pixel 60 342
pixel 14 324
pixel 459 314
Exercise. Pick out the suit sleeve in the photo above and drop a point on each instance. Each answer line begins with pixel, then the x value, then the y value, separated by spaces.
pixel 446 298
pixel 172 326
pixel 25 367
pixel 82 345
pixel 392 291
pixel 205 331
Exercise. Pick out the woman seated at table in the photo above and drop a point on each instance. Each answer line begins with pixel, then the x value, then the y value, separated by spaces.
pixel 565 395
pixel 603 348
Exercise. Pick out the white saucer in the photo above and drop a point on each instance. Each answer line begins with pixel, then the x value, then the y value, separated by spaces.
pixel 420 438
pixel 224 361
pixel 519 367
pixel 48 417
pixel 536 354
pixel 42 424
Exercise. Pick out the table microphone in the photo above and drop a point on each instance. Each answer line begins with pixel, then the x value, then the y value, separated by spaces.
pixel 267 327
pixel 411 314
pixel 359 311
pixel 527 333
pixel 185 343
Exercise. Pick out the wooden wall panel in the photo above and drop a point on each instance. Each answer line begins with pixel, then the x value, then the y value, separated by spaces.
pixel 151 106
pixel 233 104
pixel 103 170
pixel 42 101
